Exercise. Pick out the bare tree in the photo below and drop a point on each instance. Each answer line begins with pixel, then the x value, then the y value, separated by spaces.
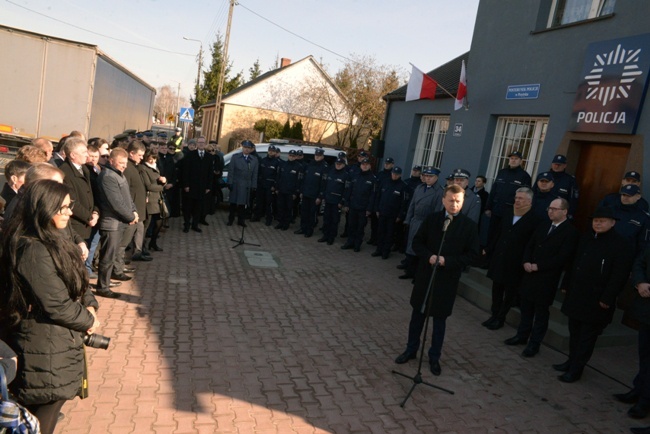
pixel 166 102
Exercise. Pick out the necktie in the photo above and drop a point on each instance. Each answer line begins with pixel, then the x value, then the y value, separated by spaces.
pixel 201 154
pixel 550 231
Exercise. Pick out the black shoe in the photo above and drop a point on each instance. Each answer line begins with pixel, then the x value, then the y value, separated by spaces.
pixel 488 321
pixel 241 223
pixel 641 430
pixel 357 249
pixel 128 270
pixel 197 229
pixel 495 325
pixel 322 239
pixel 122 277
pixel 284 228
pixel 155 247
pixel 630 397
pixel 571 377
pixel 375 253
pixel 562 367
pixel 108 294
pixel 229 222
pixel 639 410
pixel 141 257
pixel 329 243
pixel 385 256
pixel 405 357
pixel 515 340
pixel 402 267
pixel 186 229
pixel 344 235
pixel 114 284
pixel 406 276
pixel 204 223
pixel 268 223
pixel 299 232
pixel 435 368
pixel 531 350
pixel 309 234
pixel 372 242
pixel 255 219
pixel 346 246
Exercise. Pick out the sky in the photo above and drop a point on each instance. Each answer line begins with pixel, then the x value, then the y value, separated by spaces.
pixel 146 36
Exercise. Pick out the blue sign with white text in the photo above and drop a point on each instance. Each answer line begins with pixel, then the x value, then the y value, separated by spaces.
pixel 523 91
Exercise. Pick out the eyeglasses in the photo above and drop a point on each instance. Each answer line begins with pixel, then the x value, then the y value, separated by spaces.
pixel 550 208
pixel 68 207
pixel 103 156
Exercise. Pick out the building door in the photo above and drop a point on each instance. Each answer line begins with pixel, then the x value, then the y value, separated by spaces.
pixel 600 170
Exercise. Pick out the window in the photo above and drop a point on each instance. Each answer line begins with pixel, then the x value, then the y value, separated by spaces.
pixel 431 141
pixel 525 135
pixel 570 11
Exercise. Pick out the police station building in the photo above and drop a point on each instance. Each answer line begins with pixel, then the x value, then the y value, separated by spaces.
pixel 543 77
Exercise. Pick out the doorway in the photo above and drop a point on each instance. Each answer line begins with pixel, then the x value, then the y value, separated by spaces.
pixel 601 167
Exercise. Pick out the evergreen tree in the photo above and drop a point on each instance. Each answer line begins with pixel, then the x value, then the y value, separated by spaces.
pixel 296 131
pixel 254 71
pixel 286 130
pixel 271 128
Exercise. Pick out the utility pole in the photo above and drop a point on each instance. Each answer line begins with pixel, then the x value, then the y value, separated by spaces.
pixel 222 78
pixel 198 74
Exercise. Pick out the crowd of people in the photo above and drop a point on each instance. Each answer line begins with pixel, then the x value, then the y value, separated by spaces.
pixel 97 204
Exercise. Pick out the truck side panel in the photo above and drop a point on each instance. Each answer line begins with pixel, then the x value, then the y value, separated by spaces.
pixel 120 102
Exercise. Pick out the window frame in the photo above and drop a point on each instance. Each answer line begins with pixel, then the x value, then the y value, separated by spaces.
pixel 595 12
pixel 430 143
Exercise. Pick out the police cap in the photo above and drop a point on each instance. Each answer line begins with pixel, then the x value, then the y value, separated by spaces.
pixel 396 170
pixel 461 173
pixel 559 159
pixel 545 175
pixel 633 175
pixel 630 190
pixel 319 151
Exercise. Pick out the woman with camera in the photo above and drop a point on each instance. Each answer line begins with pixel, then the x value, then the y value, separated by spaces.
pixel 46 307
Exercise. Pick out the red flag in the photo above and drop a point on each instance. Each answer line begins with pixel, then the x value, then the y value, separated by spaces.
pixel 462 89
pixel 420 86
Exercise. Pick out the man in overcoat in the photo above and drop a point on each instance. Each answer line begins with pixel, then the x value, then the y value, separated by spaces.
pixel 461 247
pixel 196 183
pixel 600 270
pixel 242 178
pixel 547 254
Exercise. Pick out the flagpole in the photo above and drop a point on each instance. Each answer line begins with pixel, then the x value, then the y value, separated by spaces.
pixel 437 82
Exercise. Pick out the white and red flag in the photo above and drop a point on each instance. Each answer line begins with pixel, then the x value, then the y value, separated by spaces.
pixel 420 86
pixel 461 95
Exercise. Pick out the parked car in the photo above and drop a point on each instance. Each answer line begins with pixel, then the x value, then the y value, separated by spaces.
pixel 261 150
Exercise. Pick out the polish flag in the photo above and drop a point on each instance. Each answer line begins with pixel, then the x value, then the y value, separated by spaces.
pixel 461 95
pixel 420 86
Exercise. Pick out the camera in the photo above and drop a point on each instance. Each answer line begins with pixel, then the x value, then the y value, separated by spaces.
pixel 96 341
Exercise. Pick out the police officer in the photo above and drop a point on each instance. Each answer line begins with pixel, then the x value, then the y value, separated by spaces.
pixel 360 203
pixel 287 188
pixel 631 221
pixel 411 183
pixel 268 174
pixel 472 203
pixel 336 184
pixel 177 140
pixel 353 170
pixel 631 177
pixel 312 184
pixel 389 209
pixel 565 185
pixel 543 195
pixel 384 176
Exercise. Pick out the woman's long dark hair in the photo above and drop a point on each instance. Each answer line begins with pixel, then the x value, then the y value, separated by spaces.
pixel 32 222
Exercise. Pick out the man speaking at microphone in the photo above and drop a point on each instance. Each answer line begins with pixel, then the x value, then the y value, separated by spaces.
pixel 460 248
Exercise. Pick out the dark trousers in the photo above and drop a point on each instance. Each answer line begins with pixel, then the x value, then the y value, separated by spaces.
pixel 385 230
pixel 582 341
pixel 285 206
pixel 47 414
pixel 399 237
pixel 109 245
pixel 357 224
pixel 437 337
pixel 239 211
pixel 193 210
pixel 154 226
pixel 503 298
pixel 374 227
pixel 534 321
pixel 174 199
pixel 308 210
pixel 642 379
pixel 331 220
pixel 264 205
pixel 493 229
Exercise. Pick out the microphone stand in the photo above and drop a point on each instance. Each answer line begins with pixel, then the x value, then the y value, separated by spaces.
pixel 426 309
pixel 240 241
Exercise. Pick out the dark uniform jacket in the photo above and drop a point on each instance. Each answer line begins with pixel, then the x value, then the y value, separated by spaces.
pixel 505 264
pixel 600 270
pixel 460 249
pixel 361 194
pixel 633 223
pixel 640 307
pixel 541 201
pixel 553 254
pixel 48 340
pixel 504 188
pixel 314 179
pixel 566 187
pixel 336 184
pixel 289 177
pixel 390 199
pixel 614 198
pixel 82 194
pixel 268 172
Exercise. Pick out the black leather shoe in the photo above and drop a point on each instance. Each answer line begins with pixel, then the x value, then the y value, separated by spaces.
pixel 309 234
pixel 186 229
pixel 344 235
pixel 435 368
pixel 357 249
pixel 229 222
pixel 495 325
pixel 155 248
pixel 405 357
pixel 122 277
pixel 322 240
pixel 406 276
pixel 488 321
pixel 375 254
pixel 197 229
pixel 531 350
pixel 515 340
pixel 241 223
pixel 128 270
pixel 114 284
pixel 641 430
pixel 571 377
pixel 141 257
pixel 204 223
pixel 630 397
pixel 268 223
pixel 385 256
pixel 278 226
pixel 299 232
pixel 401 267
pixel 562 367
pixel 346 246
pixel 638 411
pixel 329 243
pixel 108 294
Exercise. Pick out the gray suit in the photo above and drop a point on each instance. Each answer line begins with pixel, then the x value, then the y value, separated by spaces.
pixel 425 201
pixel 242 176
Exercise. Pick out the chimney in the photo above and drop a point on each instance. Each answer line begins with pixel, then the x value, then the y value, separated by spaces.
pixel 284 62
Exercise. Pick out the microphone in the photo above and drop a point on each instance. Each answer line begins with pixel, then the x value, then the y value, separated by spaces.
pixel 448 220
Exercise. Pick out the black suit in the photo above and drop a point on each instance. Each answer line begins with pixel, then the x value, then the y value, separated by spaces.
pixel 197 176
pixel 461 247
pixel 552 253
pixel 82 194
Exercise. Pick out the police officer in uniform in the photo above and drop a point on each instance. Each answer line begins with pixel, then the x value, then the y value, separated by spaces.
pixel 565 185
pixel 287 188
pixel 312 186
pixel 336 184
pixel 472 203
pixel 383 176
pixel 268 173
pixel 389 210
pixel 543 195
pixel 631 221
pixel 631 177
pixel 360 203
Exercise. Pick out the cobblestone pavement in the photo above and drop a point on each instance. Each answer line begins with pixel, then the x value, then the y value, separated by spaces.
pixel 204 343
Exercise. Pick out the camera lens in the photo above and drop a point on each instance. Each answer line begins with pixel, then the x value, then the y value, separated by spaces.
pixel 97 341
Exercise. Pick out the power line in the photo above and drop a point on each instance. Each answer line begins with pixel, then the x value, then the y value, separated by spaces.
pixel 100 34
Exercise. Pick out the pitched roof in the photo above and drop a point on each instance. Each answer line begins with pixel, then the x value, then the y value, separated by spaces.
pixel 446 75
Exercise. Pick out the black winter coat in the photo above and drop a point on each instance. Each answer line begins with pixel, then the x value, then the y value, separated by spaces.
pixel 600 269
pixel 553 254
pixel 640 308
pixel 49 340
pixel 461 248
pixel 82 194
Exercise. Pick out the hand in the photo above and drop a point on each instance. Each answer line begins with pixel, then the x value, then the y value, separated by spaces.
pixel 207 190
pixel 644 289
pixel 162 180
pixel 94 219
pixel 186 189
pixel 318 201
pixel 488 213
pixel 84 250
pixel 535 267
pixel 440 259
pixel 368 213
pixel 603 305
pixel 346 208
pixel 168 186
pixel 377 214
